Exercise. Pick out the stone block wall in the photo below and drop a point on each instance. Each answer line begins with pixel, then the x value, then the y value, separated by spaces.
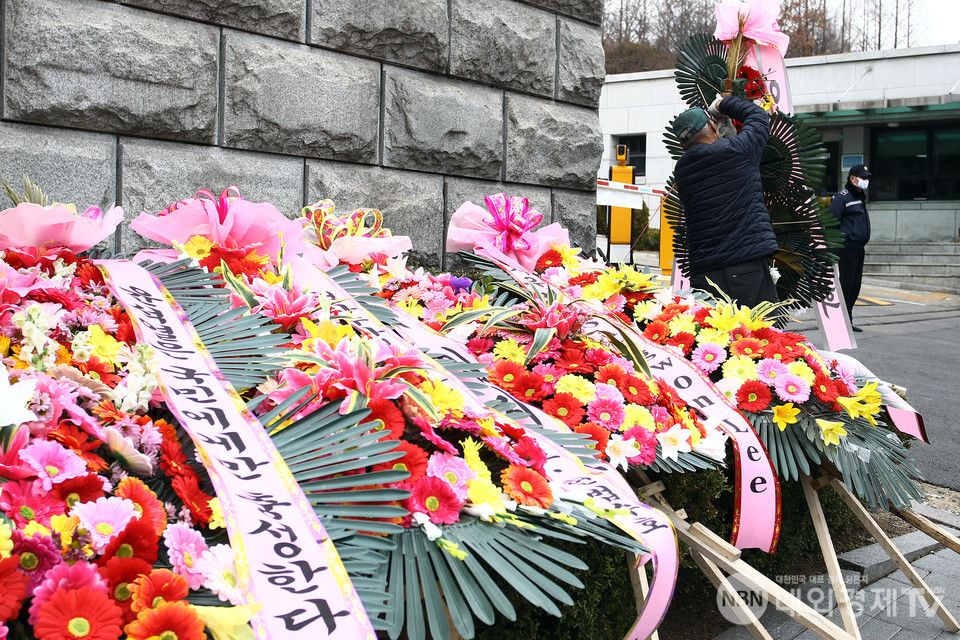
pixel 409 107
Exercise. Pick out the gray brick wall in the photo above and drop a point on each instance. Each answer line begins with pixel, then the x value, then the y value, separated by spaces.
pixel 409 107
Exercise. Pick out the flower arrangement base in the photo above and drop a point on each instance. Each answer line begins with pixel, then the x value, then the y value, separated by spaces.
pixel 718 559
pixel 810 489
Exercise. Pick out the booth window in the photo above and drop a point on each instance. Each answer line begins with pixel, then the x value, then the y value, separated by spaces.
pixel 916 163
pixel 636 153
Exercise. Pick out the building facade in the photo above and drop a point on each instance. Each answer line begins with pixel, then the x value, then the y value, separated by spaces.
pixel 896 111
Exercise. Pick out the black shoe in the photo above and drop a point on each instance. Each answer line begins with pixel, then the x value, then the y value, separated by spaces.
pixel 856 328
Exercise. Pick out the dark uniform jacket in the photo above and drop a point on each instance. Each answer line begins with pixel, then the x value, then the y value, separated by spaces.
pixel 849 208
pixel 719 185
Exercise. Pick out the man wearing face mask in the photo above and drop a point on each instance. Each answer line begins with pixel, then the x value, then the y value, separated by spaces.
pixel 850 208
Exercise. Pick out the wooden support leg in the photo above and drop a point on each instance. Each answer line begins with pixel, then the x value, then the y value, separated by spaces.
pixel 641 587
pixel 731 564
pixel 938 533
pixel 830 557
pixel 871 525
pixel 726 557
pixel 746 615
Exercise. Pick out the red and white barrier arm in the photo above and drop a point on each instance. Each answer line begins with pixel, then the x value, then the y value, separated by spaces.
pixel 623 194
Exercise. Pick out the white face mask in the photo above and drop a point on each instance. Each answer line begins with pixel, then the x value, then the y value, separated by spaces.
pixel 862 183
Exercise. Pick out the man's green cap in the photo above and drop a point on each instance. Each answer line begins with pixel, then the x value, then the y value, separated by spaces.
pixel 689 122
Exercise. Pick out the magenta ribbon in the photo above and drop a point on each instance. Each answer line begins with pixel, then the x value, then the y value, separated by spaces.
pixel 511 218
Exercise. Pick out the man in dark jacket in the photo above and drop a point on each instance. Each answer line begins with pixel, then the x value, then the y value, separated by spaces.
pixel 850 208
pixel 730 236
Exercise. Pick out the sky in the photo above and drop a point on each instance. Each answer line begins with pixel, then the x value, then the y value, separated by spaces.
pixel 937 22
pixel 934 21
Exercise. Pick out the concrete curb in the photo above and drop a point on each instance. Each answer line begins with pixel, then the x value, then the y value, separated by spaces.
pixel 873 563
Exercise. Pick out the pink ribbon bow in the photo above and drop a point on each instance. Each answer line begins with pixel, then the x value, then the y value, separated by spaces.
pixel 511 218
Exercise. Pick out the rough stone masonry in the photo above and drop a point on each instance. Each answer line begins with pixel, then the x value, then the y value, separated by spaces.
pixel 410 107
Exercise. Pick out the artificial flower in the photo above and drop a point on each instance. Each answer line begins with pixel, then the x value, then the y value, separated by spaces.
pixel 104 518
pixel 674 441
pixel 831 431
pixel 160 585
pixel 167 620
pixel 78 613
pixel 185 545
pixel 785 414
pixel 435 497
pixel 526 486
pixel 220 574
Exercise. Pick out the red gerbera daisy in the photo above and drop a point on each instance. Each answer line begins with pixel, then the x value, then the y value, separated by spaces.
pixel 119 574
pixel 526 486
pixel 750 347
pixel 528 387
pixel 504 373
pixel 98 370
pixel 88 273
pixel 565 407
pixel 144 500
pixel 139 539
pixel 668 396
pixel 168 620
pixel 657 331
pixel 740 333
pixel 634 298
pixel 160 585
pixel 78 613
pixel 414 460
pixel 78 441
pixel 387 412
pixel 585 278
pixel 824 388
pixel 684 340
pixel 13 587
pixel 775 351
pixel 766 335
pixel 612 374
pixel 574 361
pixel 188 490
pixel 551 258
pixel 86 488
pixel 636 391
pixel 124 331
pixel 528 449
pixel 479 346
pixel 435 498
pixel 598 434
pixel 754 396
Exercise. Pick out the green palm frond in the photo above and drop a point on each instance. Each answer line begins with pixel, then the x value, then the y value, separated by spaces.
pixel 243 344
pixel 363 292
pixel 701 70
pixel 31 193
pixel 871 461
pixel 793 162
pixel 806 255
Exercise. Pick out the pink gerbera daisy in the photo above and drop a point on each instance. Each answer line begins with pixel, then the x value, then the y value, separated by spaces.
pixel 647 443
pixel 454 470
pixel 435 498
pixel 608 392
pixel 65 576
pixel 52 462
pixel 24 501
pixel 38 554
pixel 769 369
pixel 104 518
pixel 708 357
pixel 606 412
pixel 792 388
pixel 185 546
pixel 501 446
pixel 550 373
